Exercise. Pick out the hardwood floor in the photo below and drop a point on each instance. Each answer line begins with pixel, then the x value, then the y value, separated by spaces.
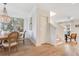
pixel 44 50
pixel 66 49
pixel 30 50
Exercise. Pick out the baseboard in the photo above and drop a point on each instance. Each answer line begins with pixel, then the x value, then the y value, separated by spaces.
pixel 33 42
pixel 58 43
pixel 44 43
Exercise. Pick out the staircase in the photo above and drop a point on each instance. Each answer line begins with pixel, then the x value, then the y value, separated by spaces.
pixel 59 33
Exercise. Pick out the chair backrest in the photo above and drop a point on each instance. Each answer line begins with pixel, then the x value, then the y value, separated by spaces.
pixel 24 34
pixel 73 36
pixel 13 37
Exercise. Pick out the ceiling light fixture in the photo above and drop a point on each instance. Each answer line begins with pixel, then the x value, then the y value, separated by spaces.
pixel 4 18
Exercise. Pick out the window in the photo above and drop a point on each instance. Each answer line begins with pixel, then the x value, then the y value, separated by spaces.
pixel 15 24
pixel 30 24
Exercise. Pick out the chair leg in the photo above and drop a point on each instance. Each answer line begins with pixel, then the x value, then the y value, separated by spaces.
pixel 70 40
pixel 24 42
pixel 75 39
pixel 16 48
pixel 5 50
pixel 9 51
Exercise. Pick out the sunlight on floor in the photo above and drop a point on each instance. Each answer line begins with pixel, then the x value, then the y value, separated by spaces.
pixel 71 49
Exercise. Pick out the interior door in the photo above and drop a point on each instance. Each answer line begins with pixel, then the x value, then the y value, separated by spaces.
pixel 43 29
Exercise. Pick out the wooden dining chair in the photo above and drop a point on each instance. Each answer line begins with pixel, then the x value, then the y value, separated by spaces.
pixel 73 36
pixel 22 37
pixel 12 41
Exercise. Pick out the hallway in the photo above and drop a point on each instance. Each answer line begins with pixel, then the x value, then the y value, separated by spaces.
pixel 66 49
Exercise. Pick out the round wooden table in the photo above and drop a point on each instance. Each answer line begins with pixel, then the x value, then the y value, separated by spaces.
pixel 3 37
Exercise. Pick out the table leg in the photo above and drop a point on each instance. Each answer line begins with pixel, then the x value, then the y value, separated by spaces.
pixel 0 43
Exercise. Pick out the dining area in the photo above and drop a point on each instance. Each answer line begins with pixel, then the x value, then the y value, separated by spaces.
pixel 11 31
pixel 12 36
pixel 10 41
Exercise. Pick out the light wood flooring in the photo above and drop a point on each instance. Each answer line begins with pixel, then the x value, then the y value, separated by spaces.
pixel 66 49
pixel 30 50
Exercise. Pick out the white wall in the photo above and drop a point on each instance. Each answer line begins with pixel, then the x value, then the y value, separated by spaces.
pixel 75 29
pixel 31 34
pixel 52 35
pixel 34 25
pixel 39 17
pixel 60 32
pixel 56 33
pixel 25 26
pixel 42 31
pixel 73 23
pixel 42 27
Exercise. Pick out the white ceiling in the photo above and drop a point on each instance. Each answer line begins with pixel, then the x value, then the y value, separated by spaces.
pixel 63 10
pixel 18 9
